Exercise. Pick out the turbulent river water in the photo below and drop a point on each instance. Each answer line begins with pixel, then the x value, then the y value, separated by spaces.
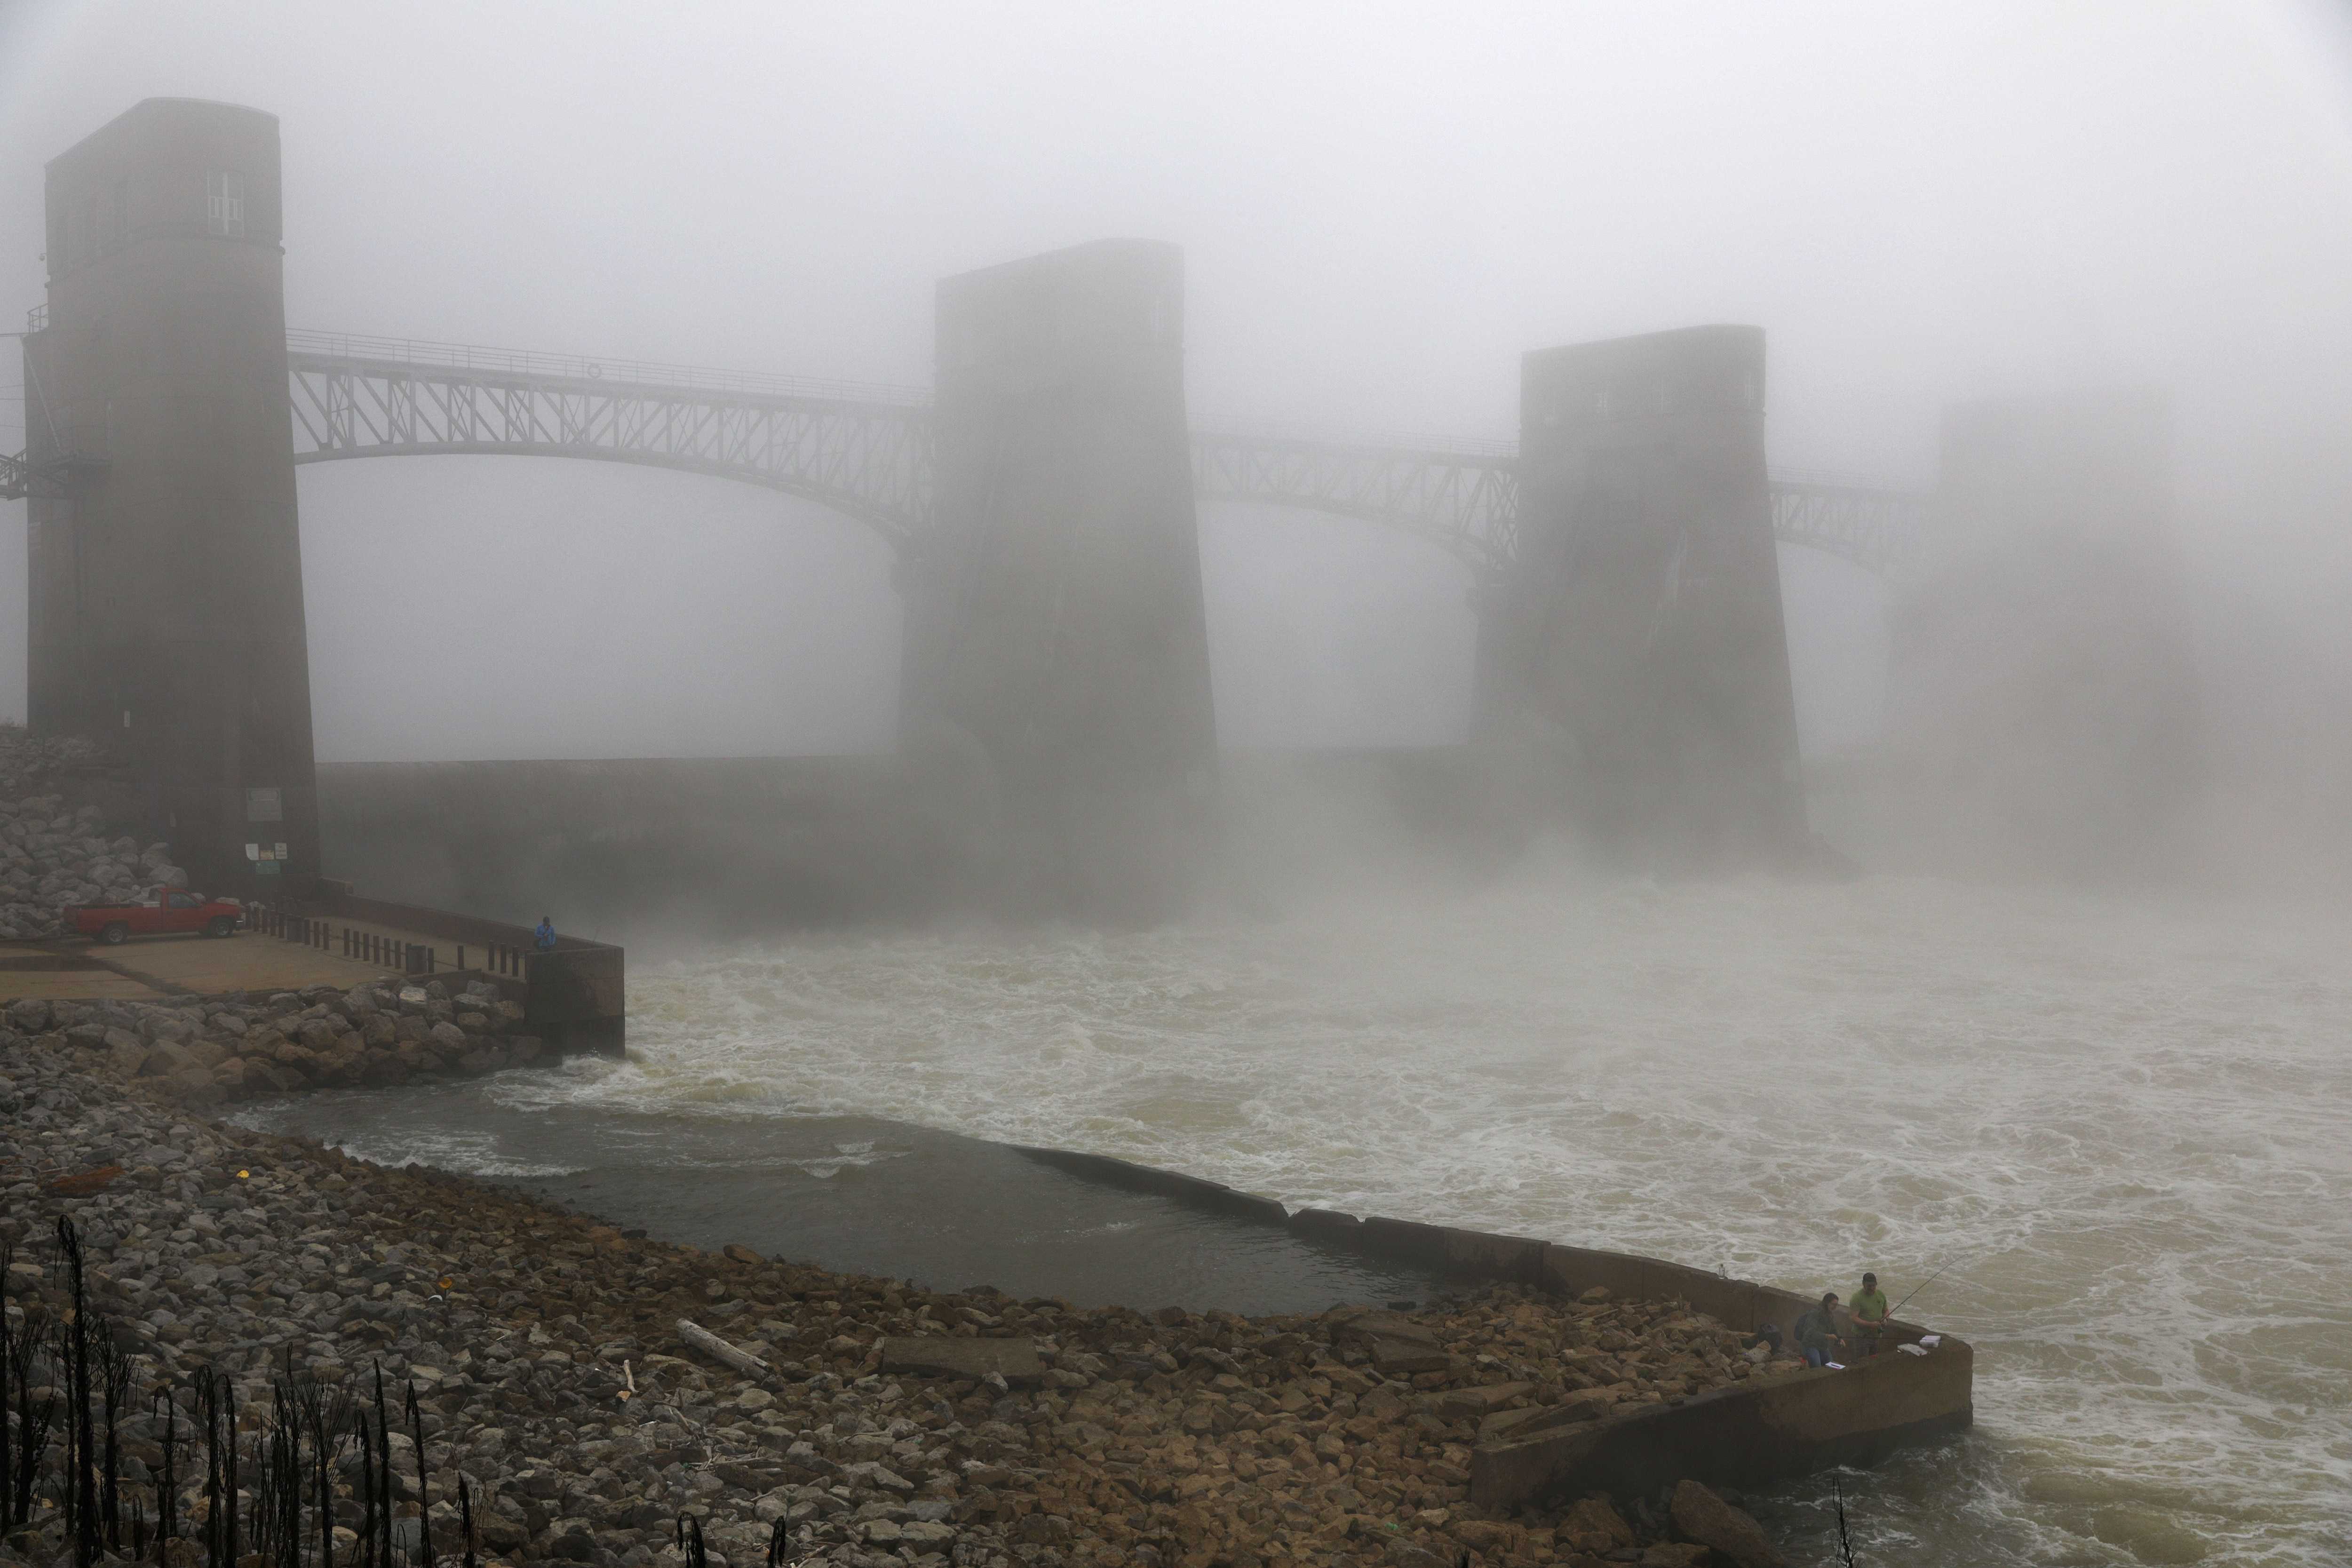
pixel 2119 1124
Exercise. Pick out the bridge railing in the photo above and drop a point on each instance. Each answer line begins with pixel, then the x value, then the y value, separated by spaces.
pixel 1297 433
pixel 866 449
pixel 1462 497
pixel 483 361
pixel 355 396
pixel 1875 527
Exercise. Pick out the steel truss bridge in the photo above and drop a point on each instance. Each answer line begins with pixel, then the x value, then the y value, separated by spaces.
pixel 866 452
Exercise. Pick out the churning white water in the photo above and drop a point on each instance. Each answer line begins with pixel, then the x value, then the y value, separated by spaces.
pixel 2121 1123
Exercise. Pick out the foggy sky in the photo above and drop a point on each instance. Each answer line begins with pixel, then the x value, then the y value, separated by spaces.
pixel 1382 207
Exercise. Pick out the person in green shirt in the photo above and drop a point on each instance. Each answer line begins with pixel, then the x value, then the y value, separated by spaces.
pixel 1869 1310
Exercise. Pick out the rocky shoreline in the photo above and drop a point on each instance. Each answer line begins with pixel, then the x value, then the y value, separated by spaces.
pixel 205 1050
pixel 56 849
pixel 879 1421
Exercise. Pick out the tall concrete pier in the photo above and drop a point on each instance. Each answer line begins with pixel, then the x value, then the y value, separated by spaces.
pixel 166 579
pixel 1057 657
pixel 2044 709
pixel 1637 652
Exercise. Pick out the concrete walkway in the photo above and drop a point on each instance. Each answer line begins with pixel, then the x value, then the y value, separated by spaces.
pixel 149 968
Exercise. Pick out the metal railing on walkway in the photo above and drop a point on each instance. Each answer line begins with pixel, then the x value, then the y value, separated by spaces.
pixel 356 942
pixel 396 954
pixel 501 959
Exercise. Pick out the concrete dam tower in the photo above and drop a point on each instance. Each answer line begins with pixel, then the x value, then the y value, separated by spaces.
pixel 2044 713
pixel 1057 657
pixel 166 582
pixel 1635 665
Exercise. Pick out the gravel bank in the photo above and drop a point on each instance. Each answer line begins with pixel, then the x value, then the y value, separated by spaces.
pixel 550 1372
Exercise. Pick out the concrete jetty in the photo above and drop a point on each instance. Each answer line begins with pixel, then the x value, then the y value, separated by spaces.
pixel 569 999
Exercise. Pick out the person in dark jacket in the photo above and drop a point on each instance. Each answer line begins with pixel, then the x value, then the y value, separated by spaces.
pixel 1816 1331
pixel 546 933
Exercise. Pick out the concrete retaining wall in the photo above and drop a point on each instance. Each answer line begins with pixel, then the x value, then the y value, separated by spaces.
pixel 1787 1425
pixel 618 848
pixel 575 997
pixel 1790 1424
pixel 685 848
pixel 1784 1424
pixel 1193 1191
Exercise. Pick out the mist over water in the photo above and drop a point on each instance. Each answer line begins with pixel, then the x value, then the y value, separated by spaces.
pixel 2116 1120
pixel 2114 1114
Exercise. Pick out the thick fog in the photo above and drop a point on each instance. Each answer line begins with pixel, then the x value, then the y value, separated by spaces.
pixel 1382 209
pixel 2009 961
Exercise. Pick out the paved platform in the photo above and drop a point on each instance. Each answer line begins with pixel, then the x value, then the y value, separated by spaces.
pixel 86 982
pixel 149 968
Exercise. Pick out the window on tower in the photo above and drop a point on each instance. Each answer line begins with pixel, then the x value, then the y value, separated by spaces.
pixel 224 205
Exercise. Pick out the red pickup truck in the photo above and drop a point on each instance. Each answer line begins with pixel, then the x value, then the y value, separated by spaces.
pixel 165 909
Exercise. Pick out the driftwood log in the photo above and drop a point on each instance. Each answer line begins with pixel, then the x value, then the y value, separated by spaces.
pixel 718 1350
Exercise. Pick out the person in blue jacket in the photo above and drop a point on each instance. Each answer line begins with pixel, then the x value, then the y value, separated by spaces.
pixel 546 933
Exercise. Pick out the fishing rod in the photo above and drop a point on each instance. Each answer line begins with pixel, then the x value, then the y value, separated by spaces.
pixel 1923 1284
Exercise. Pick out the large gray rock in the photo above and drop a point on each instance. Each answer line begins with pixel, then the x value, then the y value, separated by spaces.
pixel 195 1086
pixel 1593 1524
pixel 163 1028
pixel 1677 1554
pixel 939 1355
pixel 1701 1516
pixel 30 1014
pixel 1405 1554
pixel 169 1059
pixel 872 1475
pixel 269 1075
pixel 1402 1358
